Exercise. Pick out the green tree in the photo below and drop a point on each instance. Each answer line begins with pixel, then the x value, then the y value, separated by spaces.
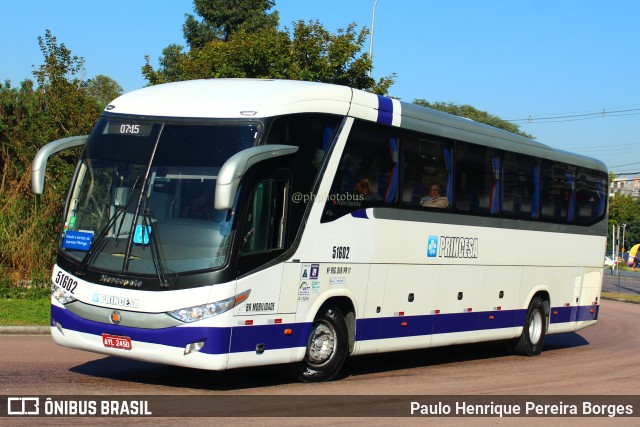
pixel 318 55
pixel 474 114
pixel 233 40
pixel 67 104
pixel 258 55
pixel 221 18
pixel 103 89
pixel 31 116
pixel 625 210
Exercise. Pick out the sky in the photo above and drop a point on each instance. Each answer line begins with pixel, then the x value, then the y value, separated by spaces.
pixel 566 71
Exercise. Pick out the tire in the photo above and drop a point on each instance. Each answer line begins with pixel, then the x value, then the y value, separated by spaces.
pixel 535 327
pixel 327 348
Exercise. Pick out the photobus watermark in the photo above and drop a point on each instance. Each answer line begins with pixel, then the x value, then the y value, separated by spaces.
pixel 339 199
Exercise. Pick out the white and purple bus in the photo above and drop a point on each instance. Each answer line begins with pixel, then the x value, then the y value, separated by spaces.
pixel 227 223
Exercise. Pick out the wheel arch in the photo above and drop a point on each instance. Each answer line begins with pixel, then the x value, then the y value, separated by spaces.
pixel 543 293
pixel 546 302
pixel 346 307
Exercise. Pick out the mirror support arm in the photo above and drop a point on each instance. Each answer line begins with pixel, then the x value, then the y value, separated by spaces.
pixel 39 164
pixel 237 165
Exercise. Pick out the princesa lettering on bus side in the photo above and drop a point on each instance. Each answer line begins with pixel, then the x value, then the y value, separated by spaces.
pixel 452 247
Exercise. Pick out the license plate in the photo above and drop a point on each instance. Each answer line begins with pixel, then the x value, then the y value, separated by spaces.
pixel 115 341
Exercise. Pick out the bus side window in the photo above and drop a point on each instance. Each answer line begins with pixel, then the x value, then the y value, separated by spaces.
pixel 264 228
pixel 368 173
pixel 426 163
pixel 477 179
pixel 519 186
pixel 313 134
pixel 591 193
pixel 558 192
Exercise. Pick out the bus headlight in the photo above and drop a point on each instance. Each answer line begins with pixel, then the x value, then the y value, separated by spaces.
pixel 204 311
pixel 61 295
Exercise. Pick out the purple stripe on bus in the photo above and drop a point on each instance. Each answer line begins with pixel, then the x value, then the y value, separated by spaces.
pixel 385 110
pixel 222 340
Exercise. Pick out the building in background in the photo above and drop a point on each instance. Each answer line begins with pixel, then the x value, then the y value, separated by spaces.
pixel 626 187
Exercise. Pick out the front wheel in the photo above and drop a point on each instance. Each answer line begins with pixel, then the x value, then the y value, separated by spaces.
pixel 327 348
pixel 535 327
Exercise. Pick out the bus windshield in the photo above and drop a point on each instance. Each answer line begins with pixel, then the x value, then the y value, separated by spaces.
pixel 142 201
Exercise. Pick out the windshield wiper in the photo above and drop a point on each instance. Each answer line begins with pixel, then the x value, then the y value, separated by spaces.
pixel 145 229
pixel 146 222
pixel 155 252
pixel 82 269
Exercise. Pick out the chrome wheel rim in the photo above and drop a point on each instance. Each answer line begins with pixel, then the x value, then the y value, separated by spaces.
pixel 535 326
pixel 322 343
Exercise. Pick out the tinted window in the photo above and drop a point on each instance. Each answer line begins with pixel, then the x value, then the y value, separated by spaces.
pixel 477 179
pixel 428 175
pixel 591 196
pixel 368 171
pixel 264 226
pixel 557 196
pixel 520 185
pixel 313 134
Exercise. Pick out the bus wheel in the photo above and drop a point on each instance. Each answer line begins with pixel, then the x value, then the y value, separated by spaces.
pixel 327 348
pixel 535 327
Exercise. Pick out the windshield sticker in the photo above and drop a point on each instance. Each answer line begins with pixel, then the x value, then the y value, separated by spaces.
pixel 315 286
pixel 71 224
pixel 305 271
pixel 304 291
pixel 79 240
pixel 315 270
pixel 142 237
pixel 338 281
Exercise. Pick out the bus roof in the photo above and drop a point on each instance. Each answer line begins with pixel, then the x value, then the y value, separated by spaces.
pixel 242 98
pixel 234 98
pixel 424 119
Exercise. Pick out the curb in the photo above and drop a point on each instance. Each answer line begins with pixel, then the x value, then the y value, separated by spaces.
pixel 25 330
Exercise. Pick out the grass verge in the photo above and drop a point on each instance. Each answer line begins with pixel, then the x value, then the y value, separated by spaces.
pixel 24 312
pixel 621 297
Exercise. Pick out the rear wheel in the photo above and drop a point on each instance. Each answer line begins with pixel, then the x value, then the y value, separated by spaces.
pixel 535 327
pixel 327 348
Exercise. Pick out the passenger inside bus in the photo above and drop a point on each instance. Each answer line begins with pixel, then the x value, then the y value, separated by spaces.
pixel 435 199
pixel 363 188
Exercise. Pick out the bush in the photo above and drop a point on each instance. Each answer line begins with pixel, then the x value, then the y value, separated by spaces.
pixel 25 289
pixel 31 116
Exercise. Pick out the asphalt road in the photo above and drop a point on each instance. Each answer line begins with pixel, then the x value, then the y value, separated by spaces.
pixel 600 360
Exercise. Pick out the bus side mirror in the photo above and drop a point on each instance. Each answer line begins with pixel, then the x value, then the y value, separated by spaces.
pixel 237 165
pixel 39 164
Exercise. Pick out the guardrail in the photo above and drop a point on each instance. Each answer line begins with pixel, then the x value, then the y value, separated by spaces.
pixel 621 282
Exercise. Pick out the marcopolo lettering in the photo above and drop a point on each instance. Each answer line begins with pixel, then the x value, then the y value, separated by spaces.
pixel 458 247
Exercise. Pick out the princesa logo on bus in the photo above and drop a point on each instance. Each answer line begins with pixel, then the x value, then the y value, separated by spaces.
pixel 432 246
pixel 115 300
